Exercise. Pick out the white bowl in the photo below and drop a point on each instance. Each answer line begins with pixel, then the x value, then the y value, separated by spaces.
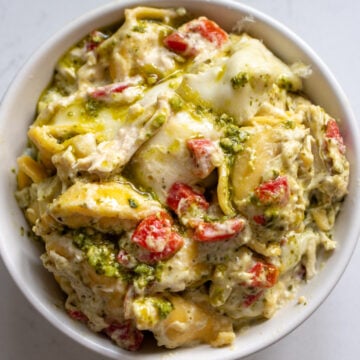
pixel 21 255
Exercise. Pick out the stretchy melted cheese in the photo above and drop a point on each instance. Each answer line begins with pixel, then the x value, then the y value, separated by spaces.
pixel 180 180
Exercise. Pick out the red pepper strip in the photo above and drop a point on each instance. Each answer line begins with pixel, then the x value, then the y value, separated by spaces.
pixel 217 231
pixel 176 42
pixel 125 334
pixel 209 30
pixel 78 315
pixel 202 150
pixel 102 92
pixel 156 235
pixel 174 244
pixel 180 41
pixel 96 38
pixel 333 132
pixel 264 275
pixel 274 191
pixel 259 219
pixel 181 197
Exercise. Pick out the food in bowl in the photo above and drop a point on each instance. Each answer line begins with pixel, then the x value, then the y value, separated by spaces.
pixel 180 180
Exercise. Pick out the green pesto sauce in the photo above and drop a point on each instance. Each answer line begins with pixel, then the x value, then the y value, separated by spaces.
pixel 70 61
pixel 176 103
pixel 164 307
pixel 234 139
pixel 140 27
pixel 144 274
pixel 224 120
pixel 92 107
pixel 161 305
pixel 240 80
pixel 285 83
pixel 100 254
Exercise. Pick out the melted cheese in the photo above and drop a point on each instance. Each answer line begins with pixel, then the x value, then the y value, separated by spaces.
pixel 251 59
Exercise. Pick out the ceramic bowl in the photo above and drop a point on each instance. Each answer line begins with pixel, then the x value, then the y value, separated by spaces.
pixel 21 255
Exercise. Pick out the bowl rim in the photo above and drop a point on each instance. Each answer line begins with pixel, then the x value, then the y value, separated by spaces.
pixel 103 11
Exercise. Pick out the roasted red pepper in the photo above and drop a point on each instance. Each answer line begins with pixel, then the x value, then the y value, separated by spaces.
pixel 183 41
pixel 182 197
pixel 209 30
pixel 78 315
pixel 217 231
pixel 156 235
pixel 125 334
pixel 104 92
pixel 201 151
pixel 177 43
pixel 264 275
pixel 275 191
pixel 333 132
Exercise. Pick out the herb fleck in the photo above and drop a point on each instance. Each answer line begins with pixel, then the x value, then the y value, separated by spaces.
pixel 132 203
pixel 239 80
pixel 140 28
pixel 92 107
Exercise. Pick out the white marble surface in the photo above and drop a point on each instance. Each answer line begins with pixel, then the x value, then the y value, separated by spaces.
pixel 332 28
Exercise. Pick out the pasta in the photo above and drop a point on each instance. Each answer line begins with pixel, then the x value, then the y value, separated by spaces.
pixel 180 180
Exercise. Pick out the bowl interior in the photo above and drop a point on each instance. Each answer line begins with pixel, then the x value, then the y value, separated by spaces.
pixel 21 254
